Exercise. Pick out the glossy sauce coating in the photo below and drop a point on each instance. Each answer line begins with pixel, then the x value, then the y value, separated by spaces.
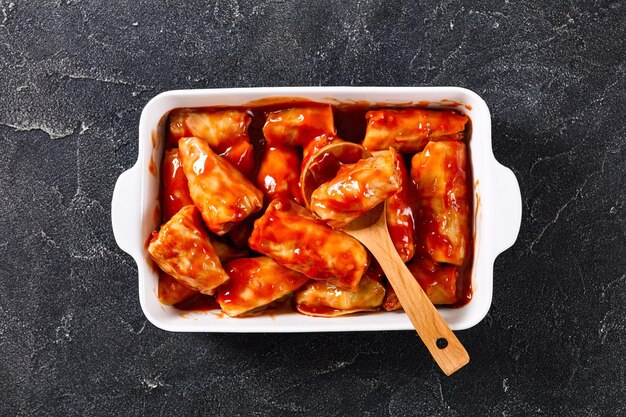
pixel 278 174
pixel 409 130
pixel 241 156
pixel 314 146
pixel 357 188
pixel 293 237
pixel 182 248
pixel 298 125
pixel 255 282
pixel 400 214
pixel 174 192
pixel 443 226
pixel 221 193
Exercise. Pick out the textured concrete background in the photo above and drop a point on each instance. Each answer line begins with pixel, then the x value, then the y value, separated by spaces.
pixel 74 78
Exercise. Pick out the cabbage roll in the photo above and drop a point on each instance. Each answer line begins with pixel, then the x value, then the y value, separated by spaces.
pixel 439 282
pixel 357 188
pixel 221 193
pixel 443 219
pixel 182 248
pixel 323 299
pixel 293 237
pixel 297 126
pixel 400 215
pixel 409 130
pixel 256 282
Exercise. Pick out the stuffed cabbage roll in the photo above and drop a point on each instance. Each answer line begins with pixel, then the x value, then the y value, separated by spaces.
pixel 182 248
pixel 400 215
pixel 443 228
pixel 296 126
pixel 279 173
pixel 357 188
pixel 289 234
pixel 323 299
pixel 438 281
pixel 409 130
pixel 226 132
pixel 256 282
pixel 221 193
pixel 171 291
pixel 175 192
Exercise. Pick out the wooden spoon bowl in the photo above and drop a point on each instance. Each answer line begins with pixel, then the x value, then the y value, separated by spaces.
pixel 325 163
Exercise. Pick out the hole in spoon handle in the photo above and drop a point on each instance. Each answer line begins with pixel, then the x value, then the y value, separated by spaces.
pixel 442 343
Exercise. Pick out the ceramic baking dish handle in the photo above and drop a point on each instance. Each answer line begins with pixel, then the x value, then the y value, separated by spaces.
pixel 125 211
pixel 508 207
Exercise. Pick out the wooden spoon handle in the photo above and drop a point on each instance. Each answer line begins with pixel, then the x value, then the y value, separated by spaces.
pixel 443 345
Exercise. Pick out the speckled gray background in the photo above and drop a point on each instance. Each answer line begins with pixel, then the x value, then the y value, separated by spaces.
pixel 74 76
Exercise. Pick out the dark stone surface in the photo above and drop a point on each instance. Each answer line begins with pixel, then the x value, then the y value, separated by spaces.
pixel 74 78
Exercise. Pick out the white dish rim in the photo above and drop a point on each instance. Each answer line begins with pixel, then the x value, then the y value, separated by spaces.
pixel 497 201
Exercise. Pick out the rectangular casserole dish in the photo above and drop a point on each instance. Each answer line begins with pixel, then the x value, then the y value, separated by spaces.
pixel 497 206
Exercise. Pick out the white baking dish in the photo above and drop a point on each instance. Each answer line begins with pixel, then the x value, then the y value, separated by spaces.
pixel 497 207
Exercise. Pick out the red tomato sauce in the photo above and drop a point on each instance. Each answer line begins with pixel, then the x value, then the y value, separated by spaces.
pixel 351 125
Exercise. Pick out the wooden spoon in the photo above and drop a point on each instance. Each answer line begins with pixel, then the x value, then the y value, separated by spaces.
pixel 371 230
